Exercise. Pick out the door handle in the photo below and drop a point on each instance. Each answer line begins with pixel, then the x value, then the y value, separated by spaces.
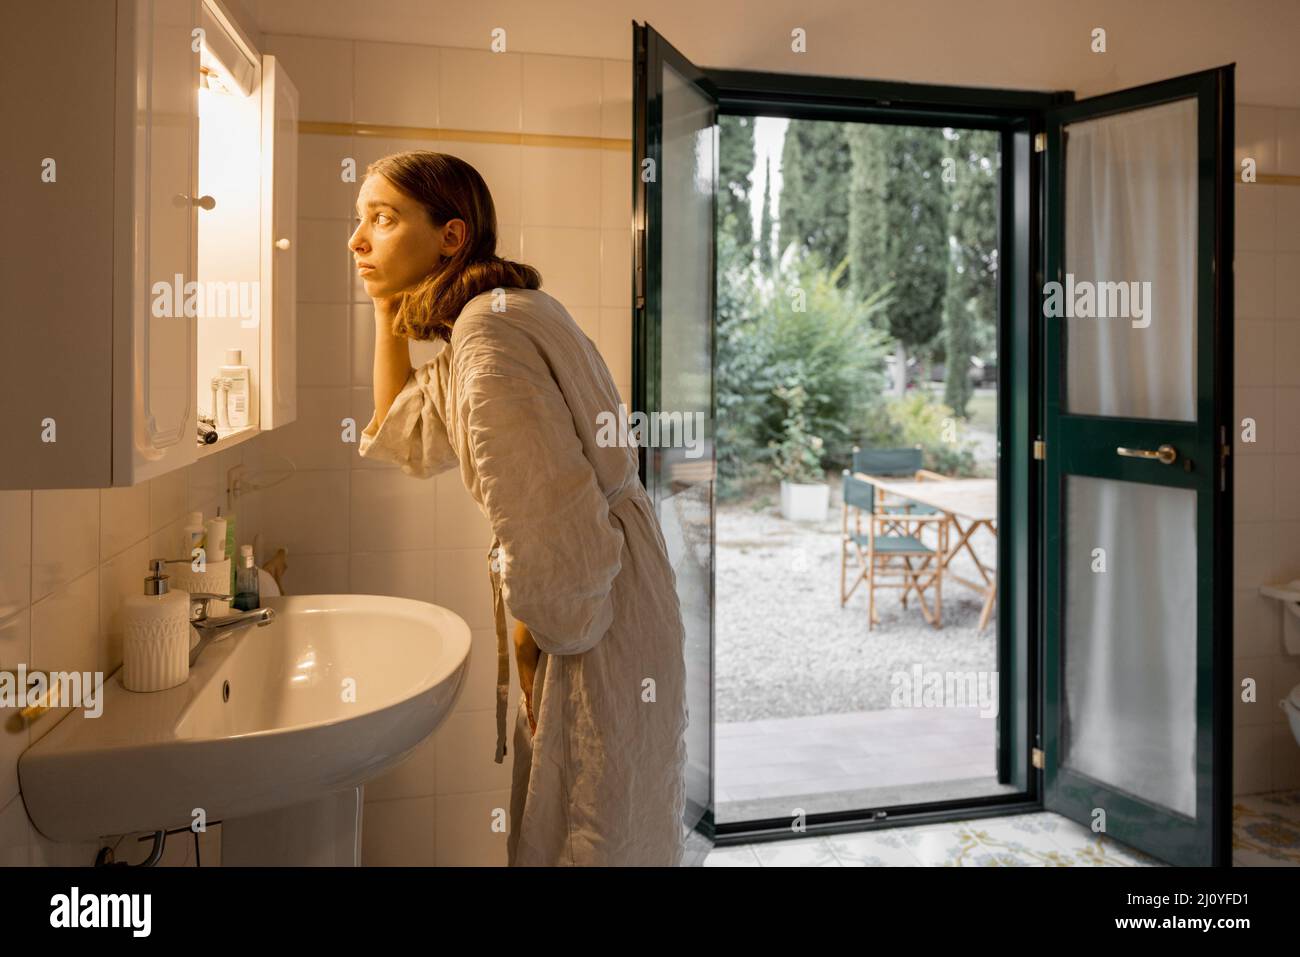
pixel 1166 453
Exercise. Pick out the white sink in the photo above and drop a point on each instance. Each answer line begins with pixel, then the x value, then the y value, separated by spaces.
pixel 265 721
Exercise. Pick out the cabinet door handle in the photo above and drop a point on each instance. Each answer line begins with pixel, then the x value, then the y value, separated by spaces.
pixel 206 202
pixel 282 244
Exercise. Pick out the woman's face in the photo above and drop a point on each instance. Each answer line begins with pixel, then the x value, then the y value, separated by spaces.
pixel 395 245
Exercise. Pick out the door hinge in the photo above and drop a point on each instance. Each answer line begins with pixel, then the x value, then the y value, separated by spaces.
pixel 1040 142
pixel 1036 758
pixel 1040 449
pixel 638 257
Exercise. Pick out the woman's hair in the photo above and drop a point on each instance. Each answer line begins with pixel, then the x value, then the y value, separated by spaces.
pixel 449 188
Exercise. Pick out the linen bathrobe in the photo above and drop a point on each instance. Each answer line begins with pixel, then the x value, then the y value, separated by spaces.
pixel 516 399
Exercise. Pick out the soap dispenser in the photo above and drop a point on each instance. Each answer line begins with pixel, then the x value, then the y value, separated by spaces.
pixel 156 635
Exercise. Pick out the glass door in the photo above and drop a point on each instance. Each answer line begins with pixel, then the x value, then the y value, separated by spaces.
pixel 1137 332
pixel 674 175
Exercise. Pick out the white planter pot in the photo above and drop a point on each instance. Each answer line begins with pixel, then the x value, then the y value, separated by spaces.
pixel 805 503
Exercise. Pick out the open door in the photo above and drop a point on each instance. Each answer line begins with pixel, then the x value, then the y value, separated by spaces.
pixel 1137 335
pixel 674 179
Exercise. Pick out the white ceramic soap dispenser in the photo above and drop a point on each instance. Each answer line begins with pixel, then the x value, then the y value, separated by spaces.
pixel 156 635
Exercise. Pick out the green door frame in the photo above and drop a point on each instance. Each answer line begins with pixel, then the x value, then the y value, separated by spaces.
pixel 1020 117
pixel 1085 445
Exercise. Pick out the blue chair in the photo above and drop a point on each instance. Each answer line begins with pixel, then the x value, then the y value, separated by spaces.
pixel 888 557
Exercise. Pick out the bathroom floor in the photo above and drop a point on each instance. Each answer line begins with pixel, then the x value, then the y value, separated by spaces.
pixel 1266 832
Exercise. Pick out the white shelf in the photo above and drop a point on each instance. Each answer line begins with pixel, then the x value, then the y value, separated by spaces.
pixel 229 440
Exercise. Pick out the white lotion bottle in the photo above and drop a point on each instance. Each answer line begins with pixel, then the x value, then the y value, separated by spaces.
pixel 156 635
pixel 193 535
pixel 237 399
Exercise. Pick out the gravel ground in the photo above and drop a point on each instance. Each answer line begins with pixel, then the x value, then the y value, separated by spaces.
pixel 784 646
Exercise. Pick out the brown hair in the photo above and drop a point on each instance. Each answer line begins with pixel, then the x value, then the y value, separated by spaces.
pixel 449 188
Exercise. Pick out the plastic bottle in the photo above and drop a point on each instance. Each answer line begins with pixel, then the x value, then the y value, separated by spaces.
pixel 156 634
pixel 247 584
pixel 240 393
pixel 193 535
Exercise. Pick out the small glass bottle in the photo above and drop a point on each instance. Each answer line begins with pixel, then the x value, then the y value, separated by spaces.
pixel 247 587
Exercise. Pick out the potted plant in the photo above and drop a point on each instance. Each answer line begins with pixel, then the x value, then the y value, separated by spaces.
pixel 805 496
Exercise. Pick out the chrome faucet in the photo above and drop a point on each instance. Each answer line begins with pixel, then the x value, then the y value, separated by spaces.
pixel 211 628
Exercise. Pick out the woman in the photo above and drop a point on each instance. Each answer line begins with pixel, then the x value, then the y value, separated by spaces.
pixel 515 398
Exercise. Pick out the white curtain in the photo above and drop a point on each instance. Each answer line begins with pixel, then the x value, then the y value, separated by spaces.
pixel 1130 630
pixel 1130 216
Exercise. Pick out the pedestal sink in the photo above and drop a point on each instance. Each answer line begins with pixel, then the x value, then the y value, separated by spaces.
pixel 273 734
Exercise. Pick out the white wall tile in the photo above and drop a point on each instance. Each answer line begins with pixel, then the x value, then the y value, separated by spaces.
pixel 616 268
pixel 1256 624
pixel 323 193
pixel 1256 137
pixel 1288 142
pixel 1252 757
pixel 562 95
pixel 317 574
pixel 15 650
pixel 569 260
pixel 464 585
pixel 14 834
pixel 65 636
pixel 391 511
pixel 1254 489
pixel 398 833
pixel 168 498
pixel 1252 554
pixel 1255 216
pixel 616 189
pixel 466 837
pixel 458 520
pixel 466 744
pixel 321 70
pixel 1255 403
pixel 481 90
pixel 560 186
pixel 404 574
pixel 15 549
pixel 119 577
pixel 312 441
pixel 1286 353
pixel 124 518
pixel 1260 711
pixel 1287 417
pixel 1286 304
pixel 616 99
pixel 308 513
pixel 1253 286
pixel 1286 485
pixel 65 536
pixel 395 84
pixel 324 332
pixel 1288 219
pixel 325 264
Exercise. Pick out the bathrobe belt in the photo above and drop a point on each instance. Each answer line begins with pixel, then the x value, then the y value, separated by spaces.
pixel 499 613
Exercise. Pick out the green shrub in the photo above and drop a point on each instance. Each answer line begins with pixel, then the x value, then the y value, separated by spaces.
pixel 917 419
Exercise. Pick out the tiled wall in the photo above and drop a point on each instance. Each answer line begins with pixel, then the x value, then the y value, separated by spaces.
pixel 1267 541
pixel 356 525
pixel 67 559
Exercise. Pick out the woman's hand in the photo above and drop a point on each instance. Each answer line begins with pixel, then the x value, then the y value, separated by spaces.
pixel 386 309
pixel 526 655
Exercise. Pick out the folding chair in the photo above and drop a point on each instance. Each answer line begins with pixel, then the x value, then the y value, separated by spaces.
pixel 887 560
pixel 900 463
